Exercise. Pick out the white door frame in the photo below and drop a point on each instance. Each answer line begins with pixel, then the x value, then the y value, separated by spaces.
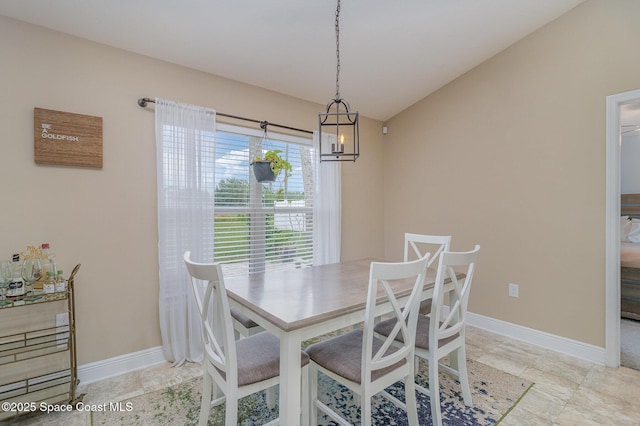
pixel 612 241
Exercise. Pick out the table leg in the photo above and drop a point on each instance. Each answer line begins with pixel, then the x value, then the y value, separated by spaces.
pixel 290 375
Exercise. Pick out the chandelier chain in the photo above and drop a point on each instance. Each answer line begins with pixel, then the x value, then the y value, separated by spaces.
pixel 338 120
pixel 338 50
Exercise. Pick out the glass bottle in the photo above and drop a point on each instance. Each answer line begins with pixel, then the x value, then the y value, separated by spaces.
pixel 49 283
pixel 16 286
pixel 61 283
pixel 47 263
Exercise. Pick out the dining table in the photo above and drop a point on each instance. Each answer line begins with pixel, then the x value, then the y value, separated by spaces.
pixel 299 304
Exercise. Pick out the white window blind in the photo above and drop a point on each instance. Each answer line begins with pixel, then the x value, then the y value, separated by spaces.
pixel 262 226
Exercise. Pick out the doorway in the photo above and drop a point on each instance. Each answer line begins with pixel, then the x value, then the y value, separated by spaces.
pixel 612 249
pixel 629 248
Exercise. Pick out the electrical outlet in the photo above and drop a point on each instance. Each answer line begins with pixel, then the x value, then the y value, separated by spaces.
pixel 514 290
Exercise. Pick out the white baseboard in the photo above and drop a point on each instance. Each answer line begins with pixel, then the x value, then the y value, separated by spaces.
pixel 549 341
pixel 100 370
pixel 122 364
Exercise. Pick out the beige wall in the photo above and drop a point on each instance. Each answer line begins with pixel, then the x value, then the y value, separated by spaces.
pixel 512 156
pixel 106 219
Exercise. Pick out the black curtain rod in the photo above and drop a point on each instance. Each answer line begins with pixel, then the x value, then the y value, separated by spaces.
pixel 263 124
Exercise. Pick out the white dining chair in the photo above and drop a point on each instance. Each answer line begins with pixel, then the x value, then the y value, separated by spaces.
pixel 437 339
pixel 417 245
pixel 243 326
pixel 364 363
pixel 236 367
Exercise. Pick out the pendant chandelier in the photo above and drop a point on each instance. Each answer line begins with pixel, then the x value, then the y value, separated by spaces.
pixel 338 120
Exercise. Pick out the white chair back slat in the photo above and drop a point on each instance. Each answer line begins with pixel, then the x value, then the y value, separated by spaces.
pixel 217 325
pixel 454 321
pixel 381 274
pixel 417 245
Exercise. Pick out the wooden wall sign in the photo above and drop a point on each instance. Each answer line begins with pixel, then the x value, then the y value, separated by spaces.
pixel 67 139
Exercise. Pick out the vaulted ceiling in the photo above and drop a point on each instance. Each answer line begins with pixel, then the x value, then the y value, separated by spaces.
pixel 392 53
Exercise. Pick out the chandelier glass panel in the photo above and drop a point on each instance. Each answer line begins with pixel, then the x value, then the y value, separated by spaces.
pixel 338 120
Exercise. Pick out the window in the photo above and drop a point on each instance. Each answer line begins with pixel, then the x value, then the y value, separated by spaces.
pixel 261 226
pixel 209 203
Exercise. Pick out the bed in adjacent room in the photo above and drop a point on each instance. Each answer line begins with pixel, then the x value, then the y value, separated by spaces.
pixel 630 256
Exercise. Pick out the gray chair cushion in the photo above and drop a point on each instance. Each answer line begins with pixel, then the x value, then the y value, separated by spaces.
pixel 425 307
pixel 422 332
pixel 259 358
pixel 243 319
pixel 343 356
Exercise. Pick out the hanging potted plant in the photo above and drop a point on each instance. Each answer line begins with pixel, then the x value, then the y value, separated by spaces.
pixel 269 166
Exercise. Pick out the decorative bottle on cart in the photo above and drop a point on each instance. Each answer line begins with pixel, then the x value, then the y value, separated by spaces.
pixel 61 283
pixel 16 286
pixel 50 283
pixel 47 261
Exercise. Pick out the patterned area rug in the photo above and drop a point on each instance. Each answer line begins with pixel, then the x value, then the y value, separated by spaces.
pixel 494 393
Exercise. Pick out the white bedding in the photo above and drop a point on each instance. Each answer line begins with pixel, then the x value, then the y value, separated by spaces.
pixel 630 254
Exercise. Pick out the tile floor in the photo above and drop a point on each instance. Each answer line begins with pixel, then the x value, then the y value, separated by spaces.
pixel 567 391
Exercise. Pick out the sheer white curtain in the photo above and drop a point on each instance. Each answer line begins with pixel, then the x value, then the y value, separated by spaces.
pixel 326 206
pixel 185 149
